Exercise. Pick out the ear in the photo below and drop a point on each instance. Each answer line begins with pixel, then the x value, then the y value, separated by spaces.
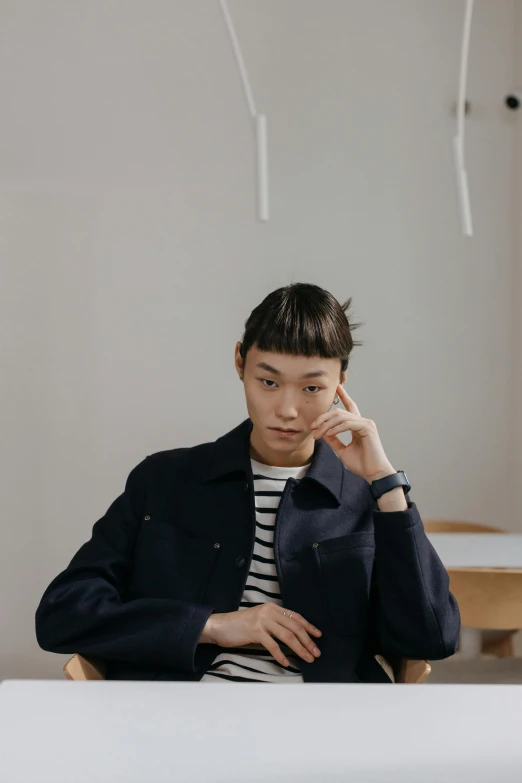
pixel 238 359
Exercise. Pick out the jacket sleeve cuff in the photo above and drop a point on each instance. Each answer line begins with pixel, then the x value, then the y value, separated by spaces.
pixel 185 642
pixel 398 519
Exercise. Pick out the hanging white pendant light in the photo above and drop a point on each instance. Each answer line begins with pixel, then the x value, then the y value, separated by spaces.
pixel 458 141
pixel 258 121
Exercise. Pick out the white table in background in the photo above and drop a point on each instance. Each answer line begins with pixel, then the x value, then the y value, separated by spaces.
pixel 54 731
pixel 477 550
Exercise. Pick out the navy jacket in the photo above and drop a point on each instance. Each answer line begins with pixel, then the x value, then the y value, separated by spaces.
pixel 177 544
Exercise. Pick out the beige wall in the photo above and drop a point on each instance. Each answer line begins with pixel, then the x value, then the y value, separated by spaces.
pixel 131 254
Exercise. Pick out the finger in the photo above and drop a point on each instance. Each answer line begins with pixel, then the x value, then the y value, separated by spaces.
pixel 290 640
pixel 298 630
pixel 329 416
pixel 336 430
pixel 336 444
pixel 347 421
pixel 347 401
pixel 348 425
pixel 336 418
pixel 273 648
pixel 300 619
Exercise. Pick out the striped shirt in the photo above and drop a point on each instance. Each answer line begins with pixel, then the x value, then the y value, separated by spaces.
pixel 253 662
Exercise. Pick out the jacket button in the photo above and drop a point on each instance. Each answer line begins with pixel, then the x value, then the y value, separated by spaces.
pixel 240 561
pixel 315 545
pixel 147 517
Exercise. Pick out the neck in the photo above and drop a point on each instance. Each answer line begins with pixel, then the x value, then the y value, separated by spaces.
pixel 290 459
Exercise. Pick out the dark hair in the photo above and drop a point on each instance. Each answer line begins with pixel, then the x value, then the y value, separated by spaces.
pixel 301 319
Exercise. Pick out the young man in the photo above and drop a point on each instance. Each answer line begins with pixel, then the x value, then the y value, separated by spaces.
pixel 274 554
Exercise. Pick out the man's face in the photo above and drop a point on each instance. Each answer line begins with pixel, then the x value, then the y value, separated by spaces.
pixel 279 395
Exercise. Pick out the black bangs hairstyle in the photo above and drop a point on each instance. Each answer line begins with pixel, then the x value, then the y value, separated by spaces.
pixel 301 319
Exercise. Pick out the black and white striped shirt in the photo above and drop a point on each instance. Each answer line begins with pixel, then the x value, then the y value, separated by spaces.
pixel 253 662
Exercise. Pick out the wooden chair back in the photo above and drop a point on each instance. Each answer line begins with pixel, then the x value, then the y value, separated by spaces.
pixel 412 671
pixel 494 642
pixel 458 526
pixel 80 668
pixel 488 598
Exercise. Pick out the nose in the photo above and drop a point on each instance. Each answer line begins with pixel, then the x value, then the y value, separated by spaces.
pixel 287 412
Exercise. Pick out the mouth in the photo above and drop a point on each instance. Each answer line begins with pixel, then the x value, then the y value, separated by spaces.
pixel 284 432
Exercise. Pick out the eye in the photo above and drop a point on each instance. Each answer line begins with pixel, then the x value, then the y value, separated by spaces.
pixel 267 380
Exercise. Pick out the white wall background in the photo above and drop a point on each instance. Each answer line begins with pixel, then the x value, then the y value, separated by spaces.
pixel 131 253
pixel 516 300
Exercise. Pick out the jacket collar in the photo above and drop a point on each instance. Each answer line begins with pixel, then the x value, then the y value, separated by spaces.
pixel 231 453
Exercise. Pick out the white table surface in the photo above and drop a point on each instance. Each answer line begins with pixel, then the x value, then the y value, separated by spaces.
pixel 54 731
pixel 478 550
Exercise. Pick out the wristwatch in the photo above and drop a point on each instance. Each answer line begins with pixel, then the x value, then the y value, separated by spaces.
pixel 382 485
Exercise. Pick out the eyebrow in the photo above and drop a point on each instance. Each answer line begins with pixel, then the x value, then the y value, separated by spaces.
pixel 312 374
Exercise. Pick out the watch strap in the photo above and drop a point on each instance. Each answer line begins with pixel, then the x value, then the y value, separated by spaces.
pixel 382 485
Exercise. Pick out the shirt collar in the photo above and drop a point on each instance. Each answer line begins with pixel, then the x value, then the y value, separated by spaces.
pixel 231 453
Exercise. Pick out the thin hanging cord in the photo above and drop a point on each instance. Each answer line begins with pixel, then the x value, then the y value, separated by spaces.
pixel 458 141
pixel 239 57
pixel 464 57
pixel 259 121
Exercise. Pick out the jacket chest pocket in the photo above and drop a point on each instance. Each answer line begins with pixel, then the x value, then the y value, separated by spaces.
pixel 170 563
pixel 345 566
